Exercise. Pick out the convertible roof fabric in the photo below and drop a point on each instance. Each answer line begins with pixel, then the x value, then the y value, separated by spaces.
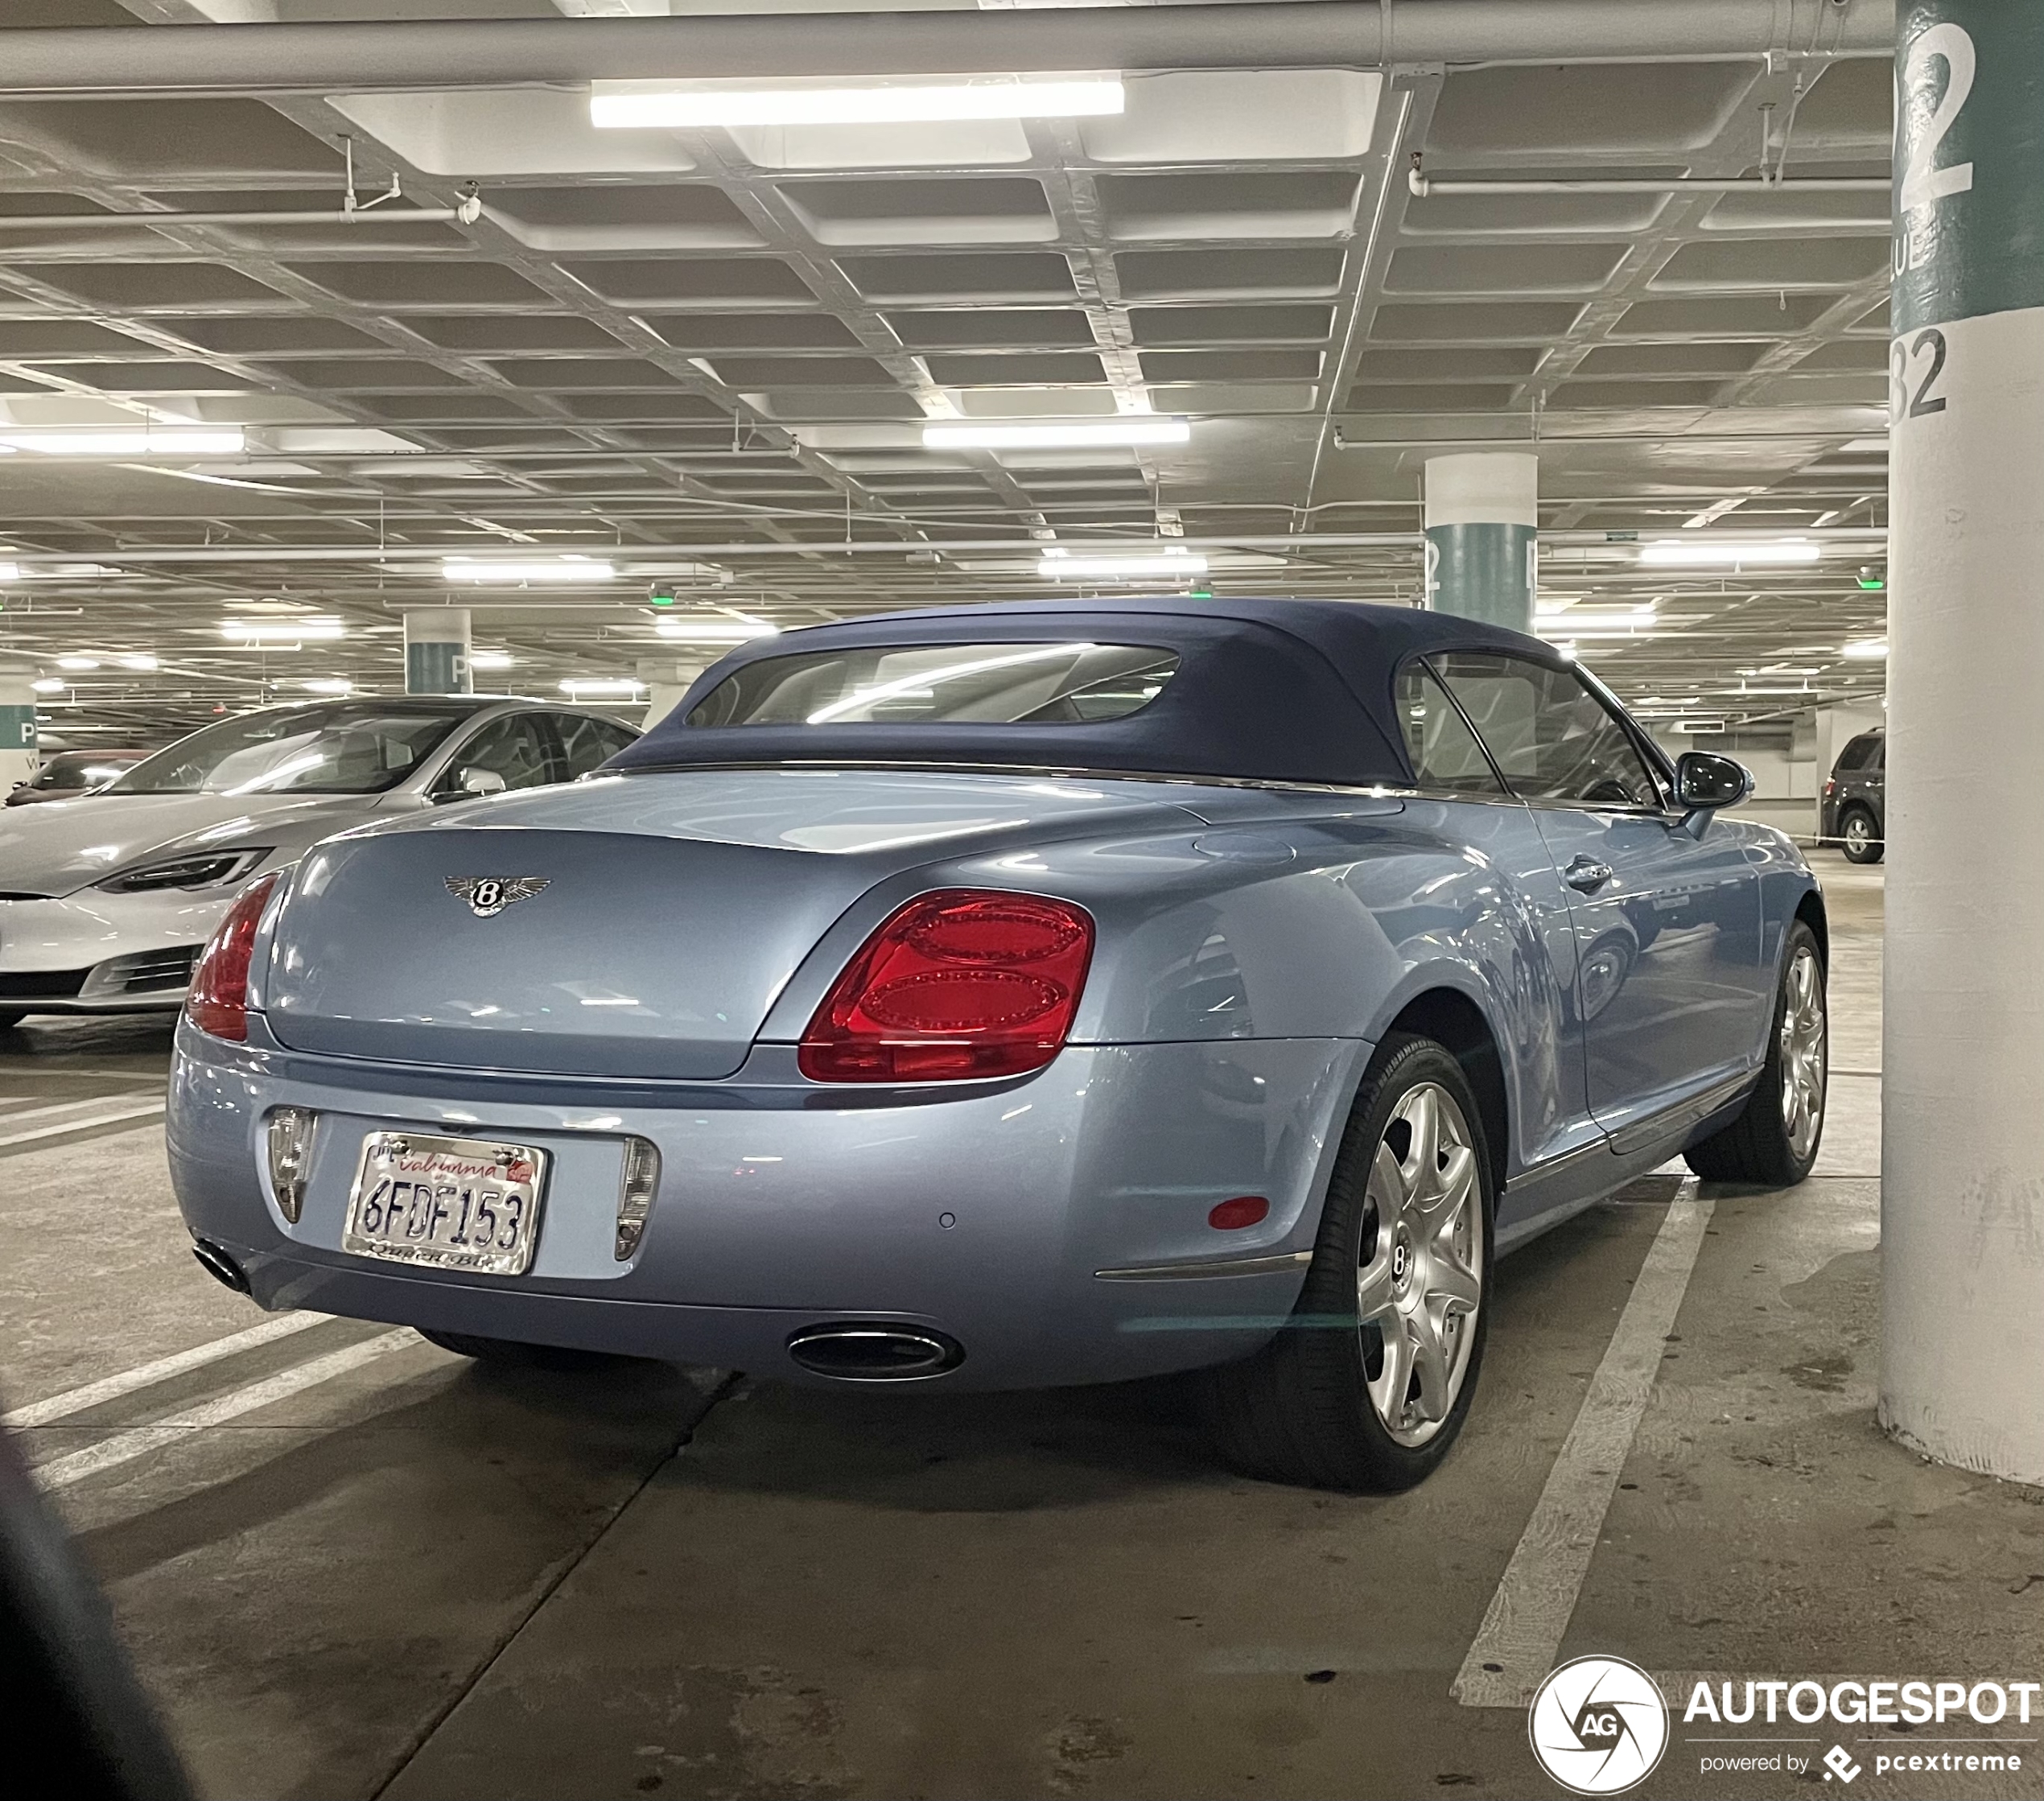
pixel 1266 691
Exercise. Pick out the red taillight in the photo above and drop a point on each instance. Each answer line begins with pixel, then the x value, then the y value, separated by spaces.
pixel 963 983
pixel 1830 787
pixel 218 1003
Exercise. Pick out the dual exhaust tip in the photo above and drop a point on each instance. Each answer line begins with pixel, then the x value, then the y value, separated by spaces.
pixel 876 1351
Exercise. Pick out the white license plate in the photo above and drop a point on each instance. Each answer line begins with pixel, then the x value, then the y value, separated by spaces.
pixel 455 1203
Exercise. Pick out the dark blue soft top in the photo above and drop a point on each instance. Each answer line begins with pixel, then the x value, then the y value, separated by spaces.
pixel 1266 691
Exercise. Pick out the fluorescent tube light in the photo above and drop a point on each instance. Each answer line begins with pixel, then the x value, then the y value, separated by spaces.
pixel 1595 622
pixel 600 689
pixel 278 631
pixel 1869 648
pixel 49 685
pixel 1061 566
pixel 489 659
pixel 167 443
pixel 78 662
pixel 1125 428
pixel 714 631
pixel 329 685
pixel 1695 553
pixel 664 105
pixel 141 662
pixel 552 569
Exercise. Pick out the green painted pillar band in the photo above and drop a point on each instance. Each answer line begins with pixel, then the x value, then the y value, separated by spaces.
pixel 17 729
pixel 1482 571
pixel 1482 519
pixel 1961 1212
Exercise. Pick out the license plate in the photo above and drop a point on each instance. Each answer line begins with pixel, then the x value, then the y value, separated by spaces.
pixel 455 1203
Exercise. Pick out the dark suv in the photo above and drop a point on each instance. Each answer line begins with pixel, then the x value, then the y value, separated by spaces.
pixel 1856 798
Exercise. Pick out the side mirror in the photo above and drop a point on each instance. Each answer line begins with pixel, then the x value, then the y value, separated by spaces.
pixel 489 781
pixel 1704 782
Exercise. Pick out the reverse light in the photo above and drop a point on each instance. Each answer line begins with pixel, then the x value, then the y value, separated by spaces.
pixel 961 984
pixel 218 1004
pixel 290 1158
pixel 635 1193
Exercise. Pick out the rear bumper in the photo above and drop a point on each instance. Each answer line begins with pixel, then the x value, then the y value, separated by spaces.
pixel 984 1215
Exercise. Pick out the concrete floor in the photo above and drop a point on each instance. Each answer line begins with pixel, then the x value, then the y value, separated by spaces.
pixel 350 1565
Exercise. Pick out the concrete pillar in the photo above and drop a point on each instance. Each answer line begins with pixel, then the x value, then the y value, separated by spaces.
pixel 667 679
pixel 18 759
pixel 1962 1239
pixel 1482 521
pixel 436 651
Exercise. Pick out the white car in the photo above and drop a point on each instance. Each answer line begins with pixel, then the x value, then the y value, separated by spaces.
pixel 105 901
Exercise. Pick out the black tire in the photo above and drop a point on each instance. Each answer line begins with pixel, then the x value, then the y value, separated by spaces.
pixel 515 1354
pixel 1760 1147
pixel 1300 1411
pixel 1860 836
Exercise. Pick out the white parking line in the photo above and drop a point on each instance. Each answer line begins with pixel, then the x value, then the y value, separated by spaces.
pixel 82 1122
pixel 125 1447
pixel 1523 1627
pixel 147 1376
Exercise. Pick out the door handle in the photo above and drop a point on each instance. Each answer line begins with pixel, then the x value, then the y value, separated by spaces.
pixel 1587 874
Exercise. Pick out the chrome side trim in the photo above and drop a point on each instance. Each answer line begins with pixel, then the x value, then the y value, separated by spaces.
pixel 1274 1265
pixel 1683 1115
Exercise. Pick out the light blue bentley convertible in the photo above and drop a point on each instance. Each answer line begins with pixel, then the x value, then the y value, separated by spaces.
pixel 1007 996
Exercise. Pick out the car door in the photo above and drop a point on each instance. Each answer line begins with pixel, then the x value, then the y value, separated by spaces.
pixel 1536 1001
pixel 1670 982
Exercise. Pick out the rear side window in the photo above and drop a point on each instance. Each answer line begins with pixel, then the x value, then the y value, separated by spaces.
pixel 1863 753
pixel 588 744
pixel 929 684
pixel 1444 752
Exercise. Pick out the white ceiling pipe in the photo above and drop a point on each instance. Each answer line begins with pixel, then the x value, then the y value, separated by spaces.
pixel 390 54
pixel 1423 185
pixel 467 214
pixel 1032 548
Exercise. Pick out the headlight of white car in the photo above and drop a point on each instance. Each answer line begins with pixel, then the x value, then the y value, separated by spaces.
pixel 193 870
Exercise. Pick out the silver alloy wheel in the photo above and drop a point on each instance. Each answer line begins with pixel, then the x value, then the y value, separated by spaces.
pixel 1419 1276
pixel 1859 832
pixel 1803 1053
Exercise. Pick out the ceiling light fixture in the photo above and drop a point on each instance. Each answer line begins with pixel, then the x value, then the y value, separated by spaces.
pixel 1127 428
pixel 1667 553
pixel 691 105
pixel 141 661
pixel 77 443
pixel 329 685
pixel 489 659
pixel 553 569
pixel 1869 649
pixel 1139 566
pixel 278 632
pixel 78 662
pixel 1595 622
pixel 49 685
pixel 601 690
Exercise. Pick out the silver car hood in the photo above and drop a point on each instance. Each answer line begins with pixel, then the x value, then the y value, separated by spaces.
pixel 61 846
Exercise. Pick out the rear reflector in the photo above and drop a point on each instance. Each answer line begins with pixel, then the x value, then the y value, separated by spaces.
pixel 1245 1210
pixel 964 983
pixel 218 1003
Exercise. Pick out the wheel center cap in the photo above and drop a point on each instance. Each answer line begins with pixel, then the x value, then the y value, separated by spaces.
pixel 1401 1261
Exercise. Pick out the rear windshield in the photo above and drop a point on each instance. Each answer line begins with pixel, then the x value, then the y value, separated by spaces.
pixel 1861 753
pixel 928 684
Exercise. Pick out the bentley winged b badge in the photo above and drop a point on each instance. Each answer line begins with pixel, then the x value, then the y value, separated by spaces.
pixel 487 895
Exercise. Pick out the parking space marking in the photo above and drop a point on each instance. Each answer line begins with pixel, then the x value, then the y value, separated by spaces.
pixel 138 1440
pixel 82 1122
pixel 162 1368
pixel 1522 1628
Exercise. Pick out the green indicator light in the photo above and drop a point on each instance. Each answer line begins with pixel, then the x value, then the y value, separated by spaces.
pixel 661 597
pixel 1873 582
pixel 1199 593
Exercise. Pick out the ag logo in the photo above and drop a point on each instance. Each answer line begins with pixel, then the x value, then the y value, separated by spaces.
pixel 487 895
pixel 1598 1724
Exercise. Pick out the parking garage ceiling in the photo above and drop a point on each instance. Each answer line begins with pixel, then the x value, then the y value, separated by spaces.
pixel 704 359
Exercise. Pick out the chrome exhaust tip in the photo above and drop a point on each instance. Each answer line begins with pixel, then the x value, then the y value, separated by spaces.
pixel 221 1266
pixel 875 1351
